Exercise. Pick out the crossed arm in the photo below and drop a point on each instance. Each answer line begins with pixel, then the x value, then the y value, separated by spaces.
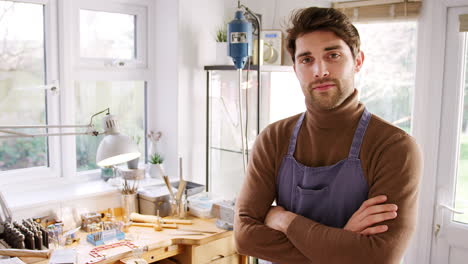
pixel 284 237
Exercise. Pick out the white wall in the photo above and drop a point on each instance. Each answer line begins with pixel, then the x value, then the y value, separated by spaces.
pixel 163 102
pixel 198 21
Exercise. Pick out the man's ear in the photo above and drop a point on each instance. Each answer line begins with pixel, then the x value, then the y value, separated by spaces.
pixel 358 61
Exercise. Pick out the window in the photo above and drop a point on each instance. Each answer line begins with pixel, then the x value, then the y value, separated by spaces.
pixel 111 34
pixel 126 101
pixel 286 97
pixel 107 35
pixel 388 31
pixel 387 78
pixel 101 47
pixel 108 73
pixel 22 72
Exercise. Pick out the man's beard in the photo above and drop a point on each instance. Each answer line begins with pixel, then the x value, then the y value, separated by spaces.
pixel 329 99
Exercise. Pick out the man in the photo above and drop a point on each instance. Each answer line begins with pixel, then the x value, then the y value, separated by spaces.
pixel 345 181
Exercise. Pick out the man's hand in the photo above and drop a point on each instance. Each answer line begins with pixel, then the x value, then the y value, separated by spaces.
pixel 279 219
pixel 371 212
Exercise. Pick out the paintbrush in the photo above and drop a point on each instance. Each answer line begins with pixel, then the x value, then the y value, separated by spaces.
pixel 169 187
pixel 166 181
pixel 182 182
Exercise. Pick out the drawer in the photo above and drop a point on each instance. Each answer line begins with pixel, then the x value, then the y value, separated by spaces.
pixel 218 250
pixel 231 259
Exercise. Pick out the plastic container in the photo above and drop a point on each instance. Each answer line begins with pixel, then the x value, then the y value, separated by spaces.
pixel 200 205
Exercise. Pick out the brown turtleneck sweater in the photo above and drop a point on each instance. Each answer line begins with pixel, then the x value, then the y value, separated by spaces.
pixel 391 163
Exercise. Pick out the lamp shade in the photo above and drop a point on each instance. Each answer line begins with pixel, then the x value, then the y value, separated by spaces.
pixel 116 148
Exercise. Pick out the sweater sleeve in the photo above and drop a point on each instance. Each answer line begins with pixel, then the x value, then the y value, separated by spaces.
pixel 397 168
pixel 252 236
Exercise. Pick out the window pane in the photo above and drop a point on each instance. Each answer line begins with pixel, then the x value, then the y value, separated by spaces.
pixel 286 97
pixel 126 102
pixel 461 190
pixel 107 35
pixel 22 70
pixel 387 78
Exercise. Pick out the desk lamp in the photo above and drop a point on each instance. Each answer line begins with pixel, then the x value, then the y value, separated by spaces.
pixel 115 148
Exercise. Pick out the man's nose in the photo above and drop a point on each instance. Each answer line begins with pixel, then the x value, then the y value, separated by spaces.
pixel 320 69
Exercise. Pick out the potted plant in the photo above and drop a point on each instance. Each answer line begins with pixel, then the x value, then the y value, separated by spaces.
pixel 222 57
pixel 156 162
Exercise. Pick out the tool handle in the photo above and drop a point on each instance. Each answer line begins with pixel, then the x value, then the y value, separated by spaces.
pixel 169 187
pixel 135 217
pixel 181 189
pixel 152 225
pixel 25 253
pixel 177 221
pixel 152 218
pixel 181 177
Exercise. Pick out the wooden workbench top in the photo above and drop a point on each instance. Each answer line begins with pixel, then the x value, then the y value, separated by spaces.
pixel 148 241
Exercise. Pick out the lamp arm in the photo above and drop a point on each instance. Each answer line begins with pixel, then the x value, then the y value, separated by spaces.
pixel 18 135
pixel 91 120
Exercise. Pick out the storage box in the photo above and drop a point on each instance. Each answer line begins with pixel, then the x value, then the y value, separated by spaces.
pixel 200 205
pixel 191 188
pixel 153 198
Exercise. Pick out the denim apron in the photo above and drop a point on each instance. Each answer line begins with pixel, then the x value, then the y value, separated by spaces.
pixel 329 194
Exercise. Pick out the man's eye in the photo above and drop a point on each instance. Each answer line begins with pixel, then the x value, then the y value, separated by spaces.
pixel 334 56
pixel 305 60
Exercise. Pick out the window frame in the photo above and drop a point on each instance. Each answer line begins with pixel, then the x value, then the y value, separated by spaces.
pixel 51 102
pixel 61 21
pixel 85 69
pixel 112 6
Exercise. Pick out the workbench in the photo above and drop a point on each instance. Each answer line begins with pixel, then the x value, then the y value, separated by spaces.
pixel 213 248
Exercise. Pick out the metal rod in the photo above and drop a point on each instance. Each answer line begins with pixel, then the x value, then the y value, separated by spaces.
pixel 239 71
pixel 259 27
pixel 13 132
pixel 208 102
pixel 44 126
pixel 47 135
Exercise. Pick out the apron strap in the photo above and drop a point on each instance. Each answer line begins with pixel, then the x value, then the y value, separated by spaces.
pixel 293 140
pixel 359 134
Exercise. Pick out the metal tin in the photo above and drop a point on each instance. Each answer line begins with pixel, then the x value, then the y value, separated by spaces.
pixel 153 198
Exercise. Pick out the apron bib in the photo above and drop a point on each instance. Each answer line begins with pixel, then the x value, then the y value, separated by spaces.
pixel 329 194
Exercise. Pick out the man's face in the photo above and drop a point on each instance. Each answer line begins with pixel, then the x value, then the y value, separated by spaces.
pixel 325 68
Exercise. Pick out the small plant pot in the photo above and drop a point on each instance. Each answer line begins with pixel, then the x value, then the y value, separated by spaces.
pixel 155 171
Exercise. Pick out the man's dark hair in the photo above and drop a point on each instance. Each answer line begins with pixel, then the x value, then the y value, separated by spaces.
pixel 328 19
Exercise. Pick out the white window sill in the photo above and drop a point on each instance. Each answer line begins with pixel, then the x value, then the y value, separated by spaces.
pixel 21 200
